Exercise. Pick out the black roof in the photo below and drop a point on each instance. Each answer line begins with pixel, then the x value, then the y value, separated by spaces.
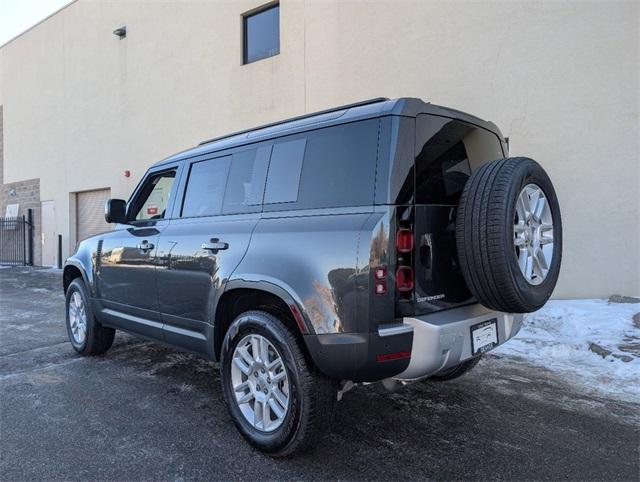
pixel 378 107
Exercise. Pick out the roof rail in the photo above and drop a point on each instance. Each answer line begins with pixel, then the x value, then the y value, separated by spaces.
pixel 304 116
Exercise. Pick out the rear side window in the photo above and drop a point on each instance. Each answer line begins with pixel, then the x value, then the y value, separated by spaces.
pixel 245 185
pixel 227 185
pixel 447 152
pixel 331 167
pixel 205 187
pixel 284 171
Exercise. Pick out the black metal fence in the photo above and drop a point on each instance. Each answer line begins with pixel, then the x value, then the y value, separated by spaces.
pixel 16 240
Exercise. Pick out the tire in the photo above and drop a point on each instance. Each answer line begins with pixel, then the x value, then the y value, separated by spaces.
pixel 310 395
pixel 495 246
pixel 96 339
pixel 456 371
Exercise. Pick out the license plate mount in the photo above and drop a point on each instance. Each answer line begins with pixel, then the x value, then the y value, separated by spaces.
pixel 484 336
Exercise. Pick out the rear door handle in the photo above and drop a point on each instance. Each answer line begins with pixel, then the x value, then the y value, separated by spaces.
pixel 214 245
pixel 145 246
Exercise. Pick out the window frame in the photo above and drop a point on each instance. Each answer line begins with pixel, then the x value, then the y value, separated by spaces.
pixel 244 22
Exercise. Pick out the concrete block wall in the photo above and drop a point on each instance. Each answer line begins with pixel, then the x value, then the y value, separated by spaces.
pixel 27 195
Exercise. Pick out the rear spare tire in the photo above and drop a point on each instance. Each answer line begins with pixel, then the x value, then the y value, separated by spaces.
pixel 509 235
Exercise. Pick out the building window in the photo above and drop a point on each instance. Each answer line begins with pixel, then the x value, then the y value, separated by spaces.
pixel 261 34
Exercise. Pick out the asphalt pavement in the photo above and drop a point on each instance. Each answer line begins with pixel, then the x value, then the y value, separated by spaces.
pixel 143 411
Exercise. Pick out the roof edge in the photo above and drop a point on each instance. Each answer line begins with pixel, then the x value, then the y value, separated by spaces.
pixel 309 115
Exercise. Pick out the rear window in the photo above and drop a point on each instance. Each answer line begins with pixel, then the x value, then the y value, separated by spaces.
pixel 331 167
pixel 447 152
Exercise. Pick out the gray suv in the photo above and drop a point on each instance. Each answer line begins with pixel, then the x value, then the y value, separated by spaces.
pixel 389 240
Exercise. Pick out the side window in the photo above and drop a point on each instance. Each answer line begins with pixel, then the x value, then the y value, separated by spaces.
pixel 284 172
pixel 205 187
pixel 245 186
pixel 330 167
pixel 153 199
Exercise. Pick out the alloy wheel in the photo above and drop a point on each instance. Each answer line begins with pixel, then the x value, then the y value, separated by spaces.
pixel 260 383
pixel 77 318
pixel 533 234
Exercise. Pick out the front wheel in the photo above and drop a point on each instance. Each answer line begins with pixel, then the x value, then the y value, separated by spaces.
pixel 277 400
pixel 86 334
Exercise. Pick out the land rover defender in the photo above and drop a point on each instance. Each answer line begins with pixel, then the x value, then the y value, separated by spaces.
pixel 388 240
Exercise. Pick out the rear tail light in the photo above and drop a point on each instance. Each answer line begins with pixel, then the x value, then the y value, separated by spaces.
pixel 404 240
pixel 380 280
pixel 404 278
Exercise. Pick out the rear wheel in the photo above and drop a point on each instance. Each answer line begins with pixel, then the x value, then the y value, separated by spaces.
pixel 278 401
pixel 86 334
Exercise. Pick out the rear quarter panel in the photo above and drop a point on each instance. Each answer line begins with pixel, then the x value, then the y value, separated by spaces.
pixel 313 256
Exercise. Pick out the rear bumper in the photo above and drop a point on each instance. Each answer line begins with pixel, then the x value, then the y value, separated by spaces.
pixel 443 340
pixel 355 356
pixel 416 348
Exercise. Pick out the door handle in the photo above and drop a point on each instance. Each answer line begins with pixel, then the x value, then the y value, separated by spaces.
pixel 214 245
pixel 145 246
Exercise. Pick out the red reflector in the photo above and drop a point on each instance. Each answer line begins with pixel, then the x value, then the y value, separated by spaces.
pixel 298 317
pixel 404 240
pixel 380 280
pixel 393 356
pixel 404 278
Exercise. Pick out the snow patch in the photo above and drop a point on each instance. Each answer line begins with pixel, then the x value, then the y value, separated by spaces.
pixel 559 336
pixel 40 290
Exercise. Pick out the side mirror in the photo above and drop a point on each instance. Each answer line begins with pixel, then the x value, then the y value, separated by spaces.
pixel 115 211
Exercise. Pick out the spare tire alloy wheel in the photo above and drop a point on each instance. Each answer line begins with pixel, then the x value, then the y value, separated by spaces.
pixel 533 234
pixel 260 383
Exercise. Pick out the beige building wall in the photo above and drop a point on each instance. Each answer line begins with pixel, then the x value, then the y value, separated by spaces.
pixel 559 78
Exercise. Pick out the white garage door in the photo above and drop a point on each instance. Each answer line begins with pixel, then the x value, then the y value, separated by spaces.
pixel 90 213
